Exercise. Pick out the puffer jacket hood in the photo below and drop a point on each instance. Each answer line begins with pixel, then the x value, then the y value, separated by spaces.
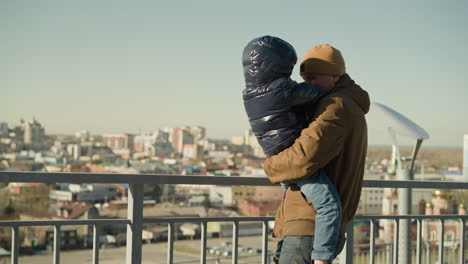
pixel 273 102
pixel 265 59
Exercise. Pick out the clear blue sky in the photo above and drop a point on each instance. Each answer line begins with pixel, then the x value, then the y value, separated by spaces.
pixel 121 66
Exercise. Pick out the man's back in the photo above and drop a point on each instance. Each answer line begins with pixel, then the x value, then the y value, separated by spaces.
pixel 336 140
pixel 346 171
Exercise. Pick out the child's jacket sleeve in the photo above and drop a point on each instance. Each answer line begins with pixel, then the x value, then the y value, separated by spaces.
pixel 305 93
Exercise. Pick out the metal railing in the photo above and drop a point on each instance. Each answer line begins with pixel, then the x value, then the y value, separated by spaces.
pixel 135 218
pixel 419 218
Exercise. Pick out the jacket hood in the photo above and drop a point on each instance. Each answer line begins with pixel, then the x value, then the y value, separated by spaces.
pixel 265 59
pixel 347 85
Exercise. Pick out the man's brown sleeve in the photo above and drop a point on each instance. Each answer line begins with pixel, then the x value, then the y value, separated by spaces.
pixel 317 145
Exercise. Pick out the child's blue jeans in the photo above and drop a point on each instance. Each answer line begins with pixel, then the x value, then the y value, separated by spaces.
pixel 322 193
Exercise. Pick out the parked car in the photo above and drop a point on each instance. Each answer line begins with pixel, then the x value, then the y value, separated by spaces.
pixel 213 250
pixel 226 243
pixel 255 251
pixel 246 249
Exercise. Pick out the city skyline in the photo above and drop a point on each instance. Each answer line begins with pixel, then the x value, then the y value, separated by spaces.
pixel 403 142
pixel 114 67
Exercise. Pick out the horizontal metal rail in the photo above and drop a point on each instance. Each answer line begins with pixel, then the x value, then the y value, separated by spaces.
pixel 170 220
pixel 399 217
pixel 207 219
pixel 64 222
pixel 135 218
pixel 130 178
pixel 198 180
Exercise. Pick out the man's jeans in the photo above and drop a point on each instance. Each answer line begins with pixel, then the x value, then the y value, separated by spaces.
pixel 298 249
pixel 322 193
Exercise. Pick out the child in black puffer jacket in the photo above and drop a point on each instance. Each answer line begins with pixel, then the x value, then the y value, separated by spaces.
pixel 276 107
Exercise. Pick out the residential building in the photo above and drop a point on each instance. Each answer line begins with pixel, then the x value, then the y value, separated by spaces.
pixel 74 150
pixel 442 203
pixel 119 141
pixel 389 206
pixel 196 201
pixel 180 136
pixel 231 195
pixel 18 131
pixel 192 151
pixel 33 132
pixel 237 140
pixel 252 207
pixel 221 229
pixel 161 149
pixel 83 193
pixel 28 136
pixel 198 133
pixel 268 193
pixel 83 135
pixel 424 201
pixel 251 140
pixel 4 130
pixel 143 143
pixel 220 155
pixel 163 135
pixel 370 202
pixel 73 236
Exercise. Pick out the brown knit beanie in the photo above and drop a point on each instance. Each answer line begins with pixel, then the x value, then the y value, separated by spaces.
pixel 323 60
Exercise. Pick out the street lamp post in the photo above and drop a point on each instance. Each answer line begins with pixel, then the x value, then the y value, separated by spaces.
pixel 397 123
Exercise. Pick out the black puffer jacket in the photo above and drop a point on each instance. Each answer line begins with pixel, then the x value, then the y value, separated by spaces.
pixel 274 103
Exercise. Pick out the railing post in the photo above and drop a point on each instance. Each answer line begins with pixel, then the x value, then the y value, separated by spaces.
pixel 404 208
pixel 395 242
pixel 95 244
pixel 14 245
pixel 57 244
pixel 428 252
pixel 419 241
pixel 441 241
pixel 372 242
pixel 203 243
pixel 265 256
pixel 135 228
pixel 235 241
pixel 170 242
pixel 346 257
pixel 387 252
pixel 462 240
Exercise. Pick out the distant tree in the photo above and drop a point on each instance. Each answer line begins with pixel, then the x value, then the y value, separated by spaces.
pixel 9 209
pixel 206 202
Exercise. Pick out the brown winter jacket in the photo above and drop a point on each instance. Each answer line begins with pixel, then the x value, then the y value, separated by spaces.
pixel 335 139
